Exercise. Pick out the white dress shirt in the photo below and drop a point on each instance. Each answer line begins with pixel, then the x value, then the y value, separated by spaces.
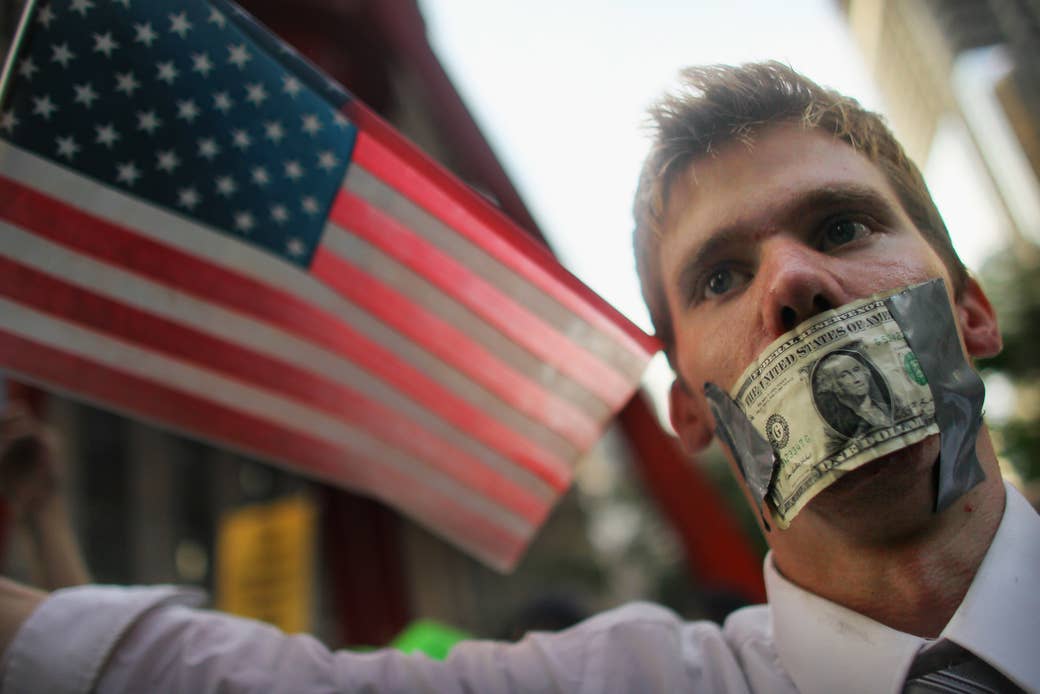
pixel 109 639
pixel 828 648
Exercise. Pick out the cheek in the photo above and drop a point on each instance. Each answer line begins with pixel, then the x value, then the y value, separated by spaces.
pixel 898 263
pixel 718 356
pixel 717 346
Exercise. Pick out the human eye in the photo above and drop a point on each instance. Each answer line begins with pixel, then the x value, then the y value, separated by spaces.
pixel 842 231
pixel 721 281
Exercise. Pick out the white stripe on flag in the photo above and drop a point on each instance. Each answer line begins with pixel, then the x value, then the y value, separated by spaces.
pixel 210 245
pixel 213 386
pixel 134 290
pixel 375 262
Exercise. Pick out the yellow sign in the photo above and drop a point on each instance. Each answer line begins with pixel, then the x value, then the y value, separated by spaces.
pixel 265 562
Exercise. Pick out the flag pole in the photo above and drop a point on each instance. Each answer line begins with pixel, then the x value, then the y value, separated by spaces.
pixel 16 44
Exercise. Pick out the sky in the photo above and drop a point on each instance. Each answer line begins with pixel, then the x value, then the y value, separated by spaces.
pixel 560 89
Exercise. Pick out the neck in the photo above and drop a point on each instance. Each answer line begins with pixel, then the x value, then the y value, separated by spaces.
pixel 890 558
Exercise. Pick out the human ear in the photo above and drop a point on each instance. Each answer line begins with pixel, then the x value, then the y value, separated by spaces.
pixel 689 417
pixel 978 322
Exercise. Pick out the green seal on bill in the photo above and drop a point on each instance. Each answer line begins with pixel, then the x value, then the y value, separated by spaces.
pixel 913 369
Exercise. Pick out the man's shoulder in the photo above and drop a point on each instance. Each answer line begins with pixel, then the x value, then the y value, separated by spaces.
pixel 749 625
pixel 752 623
pixel 749 635
pixel 651 648
pixel 740 653
pixel 746 634
pixel 650 616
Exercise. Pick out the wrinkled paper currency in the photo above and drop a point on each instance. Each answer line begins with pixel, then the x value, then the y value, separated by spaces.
pixel 838 391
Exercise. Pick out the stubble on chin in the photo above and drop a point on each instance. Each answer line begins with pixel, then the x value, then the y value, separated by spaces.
pixel 888 500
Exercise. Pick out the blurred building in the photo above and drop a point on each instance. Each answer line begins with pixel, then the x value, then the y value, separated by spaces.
pixel 976 61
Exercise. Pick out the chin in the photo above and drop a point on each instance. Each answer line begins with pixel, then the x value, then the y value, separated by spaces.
pixel 897 486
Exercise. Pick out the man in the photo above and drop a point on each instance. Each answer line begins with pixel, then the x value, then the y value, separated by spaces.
pixel 765 201
pixel 848 397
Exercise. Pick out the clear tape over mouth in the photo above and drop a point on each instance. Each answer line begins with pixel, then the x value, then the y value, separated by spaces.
pixel 849 386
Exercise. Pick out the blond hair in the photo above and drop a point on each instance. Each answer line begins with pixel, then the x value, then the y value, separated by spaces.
pixel 719 103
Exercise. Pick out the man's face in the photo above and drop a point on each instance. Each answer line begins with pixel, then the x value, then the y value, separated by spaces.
pixel 848 376
pixel 758 240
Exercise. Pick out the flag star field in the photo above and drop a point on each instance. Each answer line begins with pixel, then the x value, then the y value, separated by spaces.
pixel 182 107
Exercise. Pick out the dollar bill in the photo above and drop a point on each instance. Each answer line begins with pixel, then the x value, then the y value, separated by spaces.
pixel 838 391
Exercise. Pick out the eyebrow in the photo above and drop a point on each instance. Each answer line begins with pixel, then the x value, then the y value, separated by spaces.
pixel 863 198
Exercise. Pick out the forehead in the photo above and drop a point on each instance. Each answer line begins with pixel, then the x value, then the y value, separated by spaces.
pixel 750 186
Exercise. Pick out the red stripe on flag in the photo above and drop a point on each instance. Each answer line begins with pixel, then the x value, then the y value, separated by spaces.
pixel 47 294
pixel 69 226
pixel 268 439
pixel 398 163
pixel 480 296
pixel 454 347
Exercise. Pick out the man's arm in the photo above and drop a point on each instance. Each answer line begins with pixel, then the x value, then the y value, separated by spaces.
pixel 105 639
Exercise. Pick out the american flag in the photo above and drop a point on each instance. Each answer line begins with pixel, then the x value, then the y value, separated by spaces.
pixel 201 230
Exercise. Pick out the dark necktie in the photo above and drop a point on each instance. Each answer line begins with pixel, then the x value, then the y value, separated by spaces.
pixel 950 668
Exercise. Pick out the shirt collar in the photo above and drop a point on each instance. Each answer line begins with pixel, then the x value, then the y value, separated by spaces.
pixel 825 647
pixel 999 619
pixel 829 648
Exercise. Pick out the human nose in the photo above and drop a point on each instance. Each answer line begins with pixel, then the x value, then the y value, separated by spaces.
pixel 798 284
